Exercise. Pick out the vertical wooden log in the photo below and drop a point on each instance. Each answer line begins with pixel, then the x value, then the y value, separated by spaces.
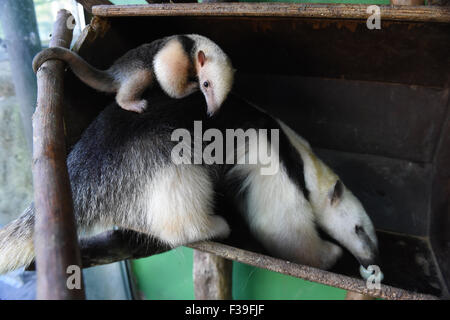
pixel 55 241
pixel 407 3
pixel 212 276
pixel 357 296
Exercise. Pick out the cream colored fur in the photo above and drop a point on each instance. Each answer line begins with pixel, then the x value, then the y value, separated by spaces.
pixel 172 66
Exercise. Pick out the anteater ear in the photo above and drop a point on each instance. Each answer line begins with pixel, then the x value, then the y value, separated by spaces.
pixel 336 194
pixel 201 58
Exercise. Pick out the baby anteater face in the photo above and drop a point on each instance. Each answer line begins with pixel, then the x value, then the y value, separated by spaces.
pixel 214 71
pixel 216 77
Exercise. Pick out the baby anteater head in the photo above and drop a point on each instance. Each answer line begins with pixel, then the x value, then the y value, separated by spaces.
pixel 214 71
pixel 182 67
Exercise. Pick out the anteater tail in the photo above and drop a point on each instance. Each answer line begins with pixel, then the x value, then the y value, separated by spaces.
pixel 101 80
pixel 16 242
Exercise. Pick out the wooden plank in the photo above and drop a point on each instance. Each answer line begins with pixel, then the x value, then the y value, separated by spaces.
pixel 88 4
pixel 55 239
pixel 322 11
pixel 305 272
pixel 118 245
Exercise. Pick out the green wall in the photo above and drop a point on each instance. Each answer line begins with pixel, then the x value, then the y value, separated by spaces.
pixel 169 276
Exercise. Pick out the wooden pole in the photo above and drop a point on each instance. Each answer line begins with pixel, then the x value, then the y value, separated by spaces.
pixel 357 296
pixel 58 260
pixel 212 276
pixel 407 2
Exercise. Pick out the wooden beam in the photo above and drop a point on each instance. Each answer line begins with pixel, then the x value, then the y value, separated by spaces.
pixel 88 4
pixel 55 240
pixel 319 11
pixel 306 272
pixel 117 245
pixel 212 276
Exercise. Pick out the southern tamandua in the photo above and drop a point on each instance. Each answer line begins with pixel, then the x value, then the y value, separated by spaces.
pixel 181 64
pixel 148 193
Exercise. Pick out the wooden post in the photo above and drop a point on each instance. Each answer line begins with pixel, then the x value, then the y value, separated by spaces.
pixel 212 276
pixel 407 2
pixel 55 240
pixel 357 296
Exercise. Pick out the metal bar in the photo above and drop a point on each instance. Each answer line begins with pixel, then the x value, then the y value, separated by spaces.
pixel 56 244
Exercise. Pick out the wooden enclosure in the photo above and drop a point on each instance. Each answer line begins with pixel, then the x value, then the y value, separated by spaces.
pixel 374 104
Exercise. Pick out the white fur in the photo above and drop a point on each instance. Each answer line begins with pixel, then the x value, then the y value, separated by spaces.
pixel 179 205
pixel 171 66
pixel 217 70
pixel 279 215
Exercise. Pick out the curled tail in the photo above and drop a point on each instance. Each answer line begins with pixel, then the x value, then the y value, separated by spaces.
pixel 16 242
pixel 93 77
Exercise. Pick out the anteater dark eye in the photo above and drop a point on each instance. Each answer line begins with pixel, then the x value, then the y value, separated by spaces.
pixel 206 84
pixel 359 229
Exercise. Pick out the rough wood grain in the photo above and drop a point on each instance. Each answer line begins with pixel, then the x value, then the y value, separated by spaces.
pixel 305 272
pixel 56 244
pixel 322 11
pixel 212 276
pixel 407 2
pixel 88 4
pixel 113 246
pixel 357 296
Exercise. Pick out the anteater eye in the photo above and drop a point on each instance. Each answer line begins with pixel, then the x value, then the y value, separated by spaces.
pixel 206 84
pixel 359 229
